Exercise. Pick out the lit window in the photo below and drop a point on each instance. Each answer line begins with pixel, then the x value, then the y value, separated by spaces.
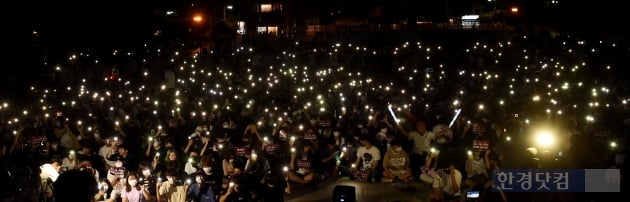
pixel 268 30
pixel 264 8
pixel 262 30
pixel 272 30
pixel 313 28
pixel 241 28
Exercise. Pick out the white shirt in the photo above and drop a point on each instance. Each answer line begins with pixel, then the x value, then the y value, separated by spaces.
pixel 103 152
pixel 421 142
pixel 48 171
pixel 189 168
pixel 478 167
pixel 368 157
pixel 70 164
pixel 443 181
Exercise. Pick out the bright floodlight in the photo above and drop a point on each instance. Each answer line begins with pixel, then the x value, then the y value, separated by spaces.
pixel 544 139
pixel 514 10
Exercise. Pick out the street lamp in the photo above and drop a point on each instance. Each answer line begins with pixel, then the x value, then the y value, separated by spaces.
pixel 197 18
pixel 228 7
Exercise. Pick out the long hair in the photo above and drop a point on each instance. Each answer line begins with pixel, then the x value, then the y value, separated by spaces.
pixel 127 185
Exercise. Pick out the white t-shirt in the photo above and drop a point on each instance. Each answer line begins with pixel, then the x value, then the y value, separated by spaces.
pixel 70 164
pixel 189 168
pixel 368 157
pixel 103 152
pixel 443 181
pixel 478 167
pixel 421 142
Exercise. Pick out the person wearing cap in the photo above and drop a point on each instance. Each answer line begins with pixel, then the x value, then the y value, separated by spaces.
pixel 116 174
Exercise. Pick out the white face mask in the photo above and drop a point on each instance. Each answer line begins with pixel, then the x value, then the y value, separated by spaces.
pixel 199 180
pixel 397 150
pixel 336 134
pixel 96 135
pixel 118 164
pixel 171 180
pixel 146 172
pixel 207 169
pixel 383 130
pixel 133 183
pixel 226 126
pixel 156 144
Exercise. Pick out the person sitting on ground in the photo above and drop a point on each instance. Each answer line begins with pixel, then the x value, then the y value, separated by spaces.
pixel 329 155
pixel 396 163
pixel 429 169
pixel 368 158
pixel 302 164
pixel 476 170
pixel 447 182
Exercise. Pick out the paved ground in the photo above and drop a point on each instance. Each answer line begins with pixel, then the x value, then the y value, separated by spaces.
pixel 365 192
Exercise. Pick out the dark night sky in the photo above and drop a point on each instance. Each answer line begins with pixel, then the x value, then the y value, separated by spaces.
pixel 66 24
pixel 117 22
pixel 78 23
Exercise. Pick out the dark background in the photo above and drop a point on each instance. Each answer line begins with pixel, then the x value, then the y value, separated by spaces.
pixel 65 26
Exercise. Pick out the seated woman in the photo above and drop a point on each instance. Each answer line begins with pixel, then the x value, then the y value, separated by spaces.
pixel 476 170
pixel 302 164
pixel 396 163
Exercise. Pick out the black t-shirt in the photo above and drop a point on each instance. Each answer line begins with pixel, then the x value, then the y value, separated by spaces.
pixel 239 196
pixel 275 193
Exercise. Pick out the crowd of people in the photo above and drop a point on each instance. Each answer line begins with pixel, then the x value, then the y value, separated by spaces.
pixel 164 123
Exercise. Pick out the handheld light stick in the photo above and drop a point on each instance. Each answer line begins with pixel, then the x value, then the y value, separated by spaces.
pixel 457 112
pixel 393 114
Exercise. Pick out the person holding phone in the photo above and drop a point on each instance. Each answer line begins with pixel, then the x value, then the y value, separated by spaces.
pixel 447 182
pixel 329 155
pixel 134 191
pixel 237 191
pixel 171 190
